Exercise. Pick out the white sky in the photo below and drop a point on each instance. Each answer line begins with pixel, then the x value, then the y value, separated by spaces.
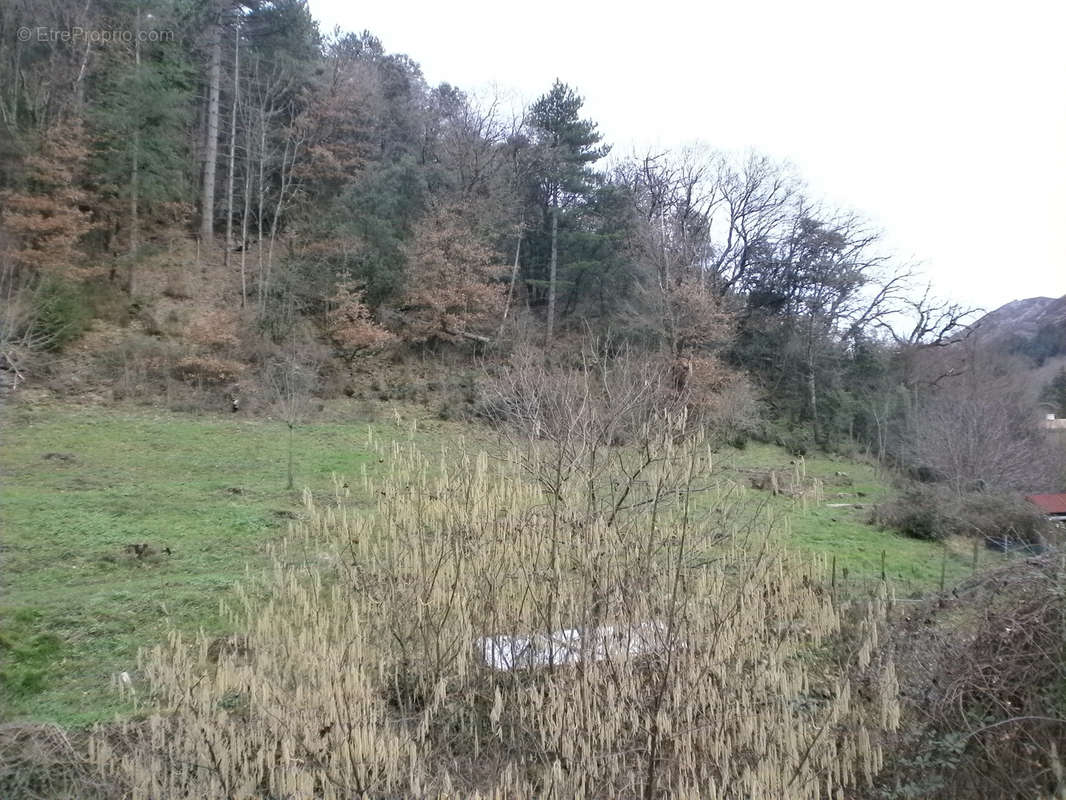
pixel 943 121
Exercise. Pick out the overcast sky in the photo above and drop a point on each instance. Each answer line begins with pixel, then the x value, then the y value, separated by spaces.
pixel 942 122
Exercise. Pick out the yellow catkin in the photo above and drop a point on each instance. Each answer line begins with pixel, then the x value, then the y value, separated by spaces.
pixel 360 673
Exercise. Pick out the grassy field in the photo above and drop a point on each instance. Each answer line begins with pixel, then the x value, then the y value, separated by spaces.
pixel 838 526
pixel 80 484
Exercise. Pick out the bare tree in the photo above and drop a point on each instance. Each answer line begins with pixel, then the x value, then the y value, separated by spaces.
pixel 249 124
pixel 979 431
pixel 293 144
pixel 713 215
pixel 262 99
pixel 214 80
pixel 22 336
pixel 758 199
pixel 234 104
pixel 293 378
pixel 931 321
pixel 674 199
pixel 135 220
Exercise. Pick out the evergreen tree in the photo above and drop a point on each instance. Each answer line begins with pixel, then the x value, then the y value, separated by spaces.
pixel 567 146
pixel 140 116
pixel 283 34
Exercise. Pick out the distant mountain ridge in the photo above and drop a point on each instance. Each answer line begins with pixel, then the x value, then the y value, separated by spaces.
pixel 1035 327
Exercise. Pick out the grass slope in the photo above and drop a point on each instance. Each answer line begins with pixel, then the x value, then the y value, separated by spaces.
pixel 843 532
pixel 82 483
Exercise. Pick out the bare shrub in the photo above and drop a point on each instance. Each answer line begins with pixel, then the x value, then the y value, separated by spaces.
pixel 176 286
pixel 215 329
pixel 41 762
pixel 134 364
pixel 982 672
pixel 209 370
pixel 366 669
pixel 979 432
pixel 292 379
pixel 915 512
pixel 723 399
pixel 596 401
pixel 349 323
pixel 21 336
pixel 37 315
pixel 607 398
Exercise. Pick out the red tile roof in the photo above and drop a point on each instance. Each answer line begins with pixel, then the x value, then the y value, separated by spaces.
pixel 1049 503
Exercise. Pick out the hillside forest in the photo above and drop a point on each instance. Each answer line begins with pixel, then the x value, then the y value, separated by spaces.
pixel 332 199
pixel 217 209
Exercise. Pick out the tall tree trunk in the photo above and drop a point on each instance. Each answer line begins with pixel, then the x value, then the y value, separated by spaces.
pixel 12 119
pixel 514 279
pixel 79 82
pixel 233 143
pixel 247 208
pixel 812 386
pixel 135 220
pixel 812 398
pixel 214 78
pixel 260 289
pixel 288 163
pixel 880 439
pixel 665 286
pixel 135 170
pixel 553 271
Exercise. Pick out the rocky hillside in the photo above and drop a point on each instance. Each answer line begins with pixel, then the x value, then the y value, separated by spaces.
pixel 1035 327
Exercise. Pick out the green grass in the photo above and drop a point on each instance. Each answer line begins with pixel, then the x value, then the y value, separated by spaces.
pixel 75 606
pixel 843 532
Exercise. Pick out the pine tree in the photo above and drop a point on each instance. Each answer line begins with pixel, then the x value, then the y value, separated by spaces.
pixel 567 147
pixel 139 116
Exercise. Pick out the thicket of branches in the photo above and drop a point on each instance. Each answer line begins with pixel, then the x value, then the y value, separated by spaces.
pixel 983 700
pixel 668 640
